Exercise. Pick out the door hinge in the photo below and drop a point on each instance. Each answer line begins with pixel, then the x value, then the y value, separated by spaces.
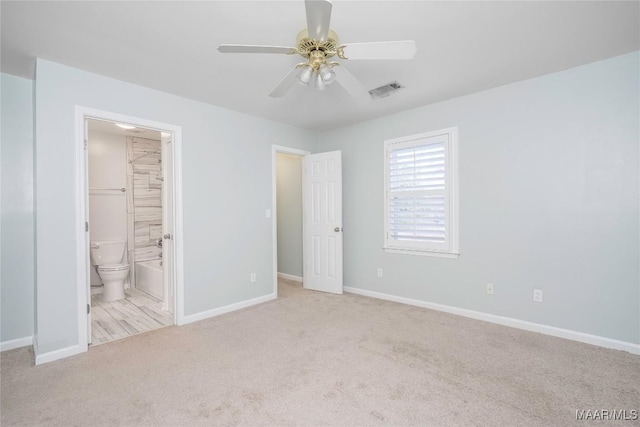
pixel 88 308
pixel 85 144
pixel 86 226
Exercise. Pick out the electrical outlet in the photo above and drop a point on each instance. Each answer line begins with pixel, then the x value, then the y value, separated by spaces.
pixel 537 295
pixel 489 288
pixel 252 277
pixel 379 272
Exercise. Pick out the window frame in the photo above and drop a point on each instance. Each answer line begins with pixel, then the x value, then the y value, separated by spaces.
pixel 450 248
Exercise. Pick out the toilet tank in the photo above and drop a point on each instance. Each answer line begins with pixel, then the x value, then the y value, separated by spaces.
pixel 107 252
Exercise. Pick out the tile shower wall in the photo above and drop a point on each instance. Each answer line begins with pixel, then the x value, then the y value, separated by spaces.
pixel 144 203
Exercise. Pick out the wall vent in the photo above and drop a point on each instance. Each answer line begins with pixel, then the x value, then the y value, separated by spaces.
pixel 386 90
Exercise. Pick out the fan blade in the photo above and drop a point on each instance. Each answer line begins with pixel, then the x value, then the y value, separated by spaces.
pixel 286 83
pixel 318 18
pixel 380 50
pixel 247 48
pixel 348 81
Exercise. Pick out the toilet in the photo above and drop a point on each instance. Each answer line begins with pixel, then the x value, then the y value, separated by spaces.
pixel 107 256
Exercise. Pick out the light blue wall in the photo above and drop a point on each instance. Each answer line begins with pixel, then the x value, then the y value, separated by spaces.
pixel 549 199
pixel 226 190
pixel 17 277
pixel 289 203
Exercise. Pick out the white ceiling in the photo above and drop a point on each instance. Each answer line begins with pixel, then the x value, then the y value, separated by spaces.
pixel 110 127
pixel 463 47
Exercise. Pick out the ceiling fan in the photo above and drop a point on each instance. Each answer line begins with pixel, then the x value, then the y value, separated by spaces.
pixel 317 44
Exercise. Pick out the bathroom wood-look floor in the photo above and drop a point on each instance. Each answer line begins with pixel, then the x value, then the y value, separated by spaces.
pixel 138 312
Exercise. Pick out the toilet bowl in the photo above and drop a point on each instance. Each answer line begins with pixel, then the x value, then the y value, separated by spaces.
pixel 113 277
pixel 107 256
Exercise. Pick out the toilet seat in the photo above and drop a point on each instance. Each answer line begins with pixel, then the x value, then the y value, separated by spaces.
pixel 113 267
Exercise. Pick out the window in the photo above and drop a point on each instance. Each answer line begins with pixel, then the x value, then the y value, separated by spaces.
pixel 421 197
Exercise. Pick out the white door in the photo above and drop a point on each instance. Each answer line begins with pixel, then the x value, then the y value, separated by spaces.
pixel 167 223
pixel 323 222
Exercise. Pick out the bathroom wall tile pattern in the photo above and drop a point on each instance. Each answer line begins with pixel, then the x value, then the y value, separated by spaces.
pixel 144 168
pixel 131 236
pixel 145 156
pixel 141 180
pixel 147 253
pixel 154 181
pixel 147 197
pixel 155 232
pixel 130 194
pixel 129 156
pixel 150 214
pixel 146 145
pixel 142 234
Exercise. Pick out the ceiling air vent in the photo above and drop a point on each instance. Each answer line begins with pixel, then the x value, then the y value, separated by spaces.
pixel 386 90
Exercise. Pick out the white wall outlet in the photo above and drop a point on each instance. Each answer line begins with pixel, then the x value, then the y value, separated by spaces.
pixel 537 295
pixel 252 277
pixel 489 288
pixel 267 213
pixel 379 272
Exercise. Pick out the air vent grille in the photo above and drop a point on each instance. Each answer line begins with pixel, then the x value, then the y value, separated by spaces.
pixel 386 90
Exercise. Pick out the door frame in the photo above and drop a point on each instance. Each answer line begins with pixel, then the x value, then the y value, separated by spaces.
pixel 166 139
pixel 275 149
pixel 81 199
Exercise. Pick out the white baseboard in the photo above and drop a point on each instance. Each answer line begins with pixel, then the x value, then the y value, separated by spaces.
pixel 17 343
pixel 226 309
pixel 506 321
pixel 59 354
pixel 290 277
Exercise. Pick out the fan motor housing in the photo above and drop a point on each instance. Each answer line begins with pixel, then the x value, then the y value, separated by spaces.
pixel 305 45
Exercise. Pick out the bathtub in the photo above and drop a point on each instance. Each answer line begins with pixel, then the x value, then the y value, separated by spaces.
pixel 150 279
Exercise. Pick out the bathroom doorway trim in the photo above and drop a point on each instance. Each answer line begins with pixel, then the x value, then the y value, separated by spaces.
pixel 82 243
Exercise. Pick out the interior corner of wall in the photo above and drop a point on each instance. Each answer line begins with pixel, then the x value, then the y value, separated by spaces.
pixel 35 345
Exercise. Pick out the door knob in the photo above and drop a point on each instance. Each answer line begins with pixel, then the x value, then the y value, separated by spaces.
pixel 167 236
pixel 337 229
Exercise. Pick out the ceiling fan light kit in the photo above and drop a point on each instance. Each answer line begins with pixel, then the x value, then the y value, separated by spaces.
pixel 317 65
pixel 305 74
pixel 317 43
pixel 319 82
pixel 328 75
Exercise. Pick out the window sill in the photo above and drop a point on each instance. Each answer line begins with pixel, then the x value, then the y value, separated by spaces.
pixel 450 255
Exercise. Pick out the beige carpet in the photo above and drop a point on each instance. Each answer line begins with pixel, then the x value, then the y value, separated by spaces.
pixel 316 359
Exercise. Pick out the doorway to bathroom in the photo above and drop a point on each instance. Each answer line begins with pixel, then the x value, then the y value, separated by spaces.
pixel 132 265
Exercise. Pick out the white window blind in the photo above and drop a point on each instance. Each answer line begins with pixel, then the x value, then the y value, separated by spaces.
pixel 419 174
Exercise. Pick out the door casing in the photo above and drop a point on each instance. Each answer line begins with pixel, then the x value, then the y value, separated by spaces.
pixel 81 199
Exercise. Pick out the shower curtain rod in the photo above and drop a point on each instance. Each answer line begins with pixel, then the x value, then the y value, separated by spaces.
pixel 108 189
